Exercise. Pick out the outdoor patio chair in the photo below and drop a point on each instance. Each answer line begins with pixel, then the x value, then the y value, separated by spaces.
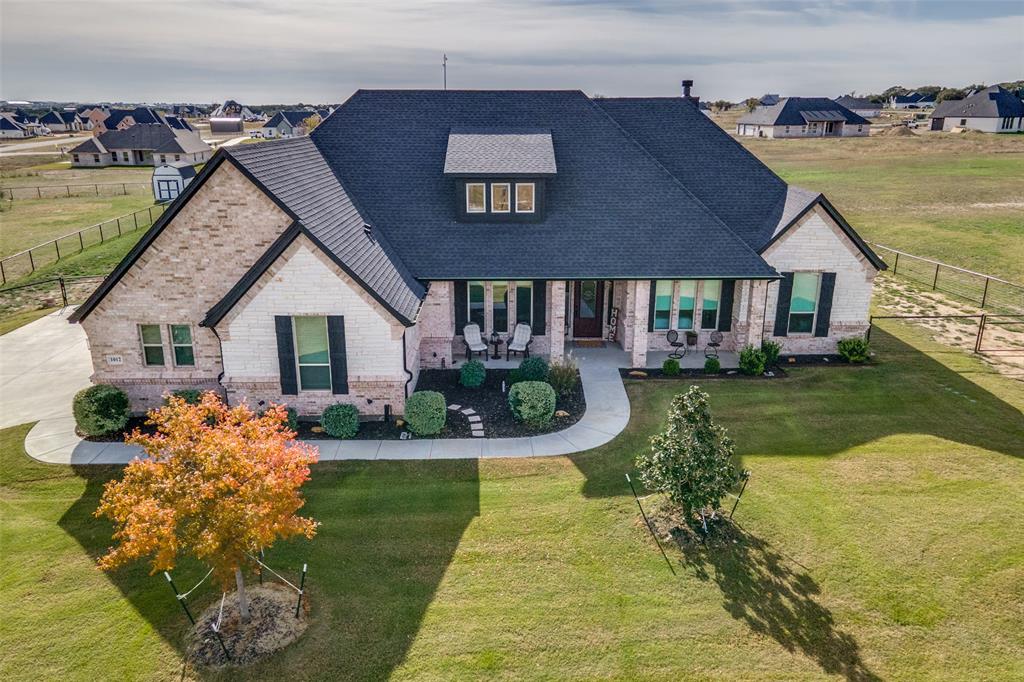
pixel 714 343
pixel 678 347
pixel 522 337
pixel 474 344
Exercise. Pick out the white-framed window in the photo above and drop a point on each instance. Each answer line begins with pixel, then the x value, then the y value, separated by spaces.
pixel 803 302
pixel 312 353
pixel 662 303
pixel 711 292
pixel 477 302
pixel 181 345
pixel 500 197
pixel 524 302
pixel 687 301
pixel 177 157
pixel 152 345
pixel 525 192
pixel 476 197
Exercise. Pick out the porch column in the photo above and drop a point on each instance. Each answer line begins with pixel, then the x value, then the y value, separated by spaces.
pixel 639 300
pixel 750 321
pixel 556 319
pixel 436 322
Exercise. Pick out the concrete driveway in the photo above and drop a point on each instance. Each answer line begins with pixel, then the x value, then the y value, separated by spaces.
pixel 42 366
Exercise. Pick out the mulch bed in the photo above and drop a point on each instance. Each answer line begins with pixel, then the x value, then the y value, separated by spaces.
pixel 119 436
pixel 655 373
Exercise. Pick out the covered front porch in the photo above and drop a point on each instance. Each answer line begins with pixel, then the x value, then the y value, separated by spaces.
pixel 610 353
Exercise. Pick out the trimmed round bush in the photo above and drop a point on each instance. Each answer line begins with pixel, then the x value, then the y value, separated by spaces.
pixel 854 350
pixel 771 350
pixel 472 374
pixel 426 412
pixel 101 409
pixel 712 366
pixel 340 420
pixel 192 396
pixel 533 369
pixel 752 361
pixel 532 402
pixel 670 367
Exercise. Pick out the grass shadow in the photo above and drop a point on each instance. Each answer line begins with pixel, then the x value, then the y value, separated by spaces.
pixel 776 598
pixel 388 532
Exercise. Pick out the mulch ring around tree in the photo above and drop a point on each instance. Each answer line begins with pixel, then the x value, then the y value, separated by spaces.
pixel 272 626
pixel 670 526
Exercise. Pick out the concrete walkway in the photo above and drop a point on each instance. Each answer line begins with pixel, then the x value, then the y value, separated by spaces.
pixel 46 362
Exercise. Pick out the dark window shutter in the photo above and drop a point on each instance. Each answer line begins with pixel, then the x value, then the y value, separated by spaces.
pixel 336 350
pixel 540 307
pixel 782 306
pixel 286 354
pixel 461 306
pixel 828 286
pixel 611 301
pixel 725 305
pixel 650 305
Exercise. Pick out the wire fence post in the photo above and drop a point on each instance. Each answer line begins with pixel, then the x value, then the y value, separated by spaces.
pixel 3 274
pixel 984 293
pixel 68 188
pixel 57 246
pixel 302 586
pixel 935 282
pixel 896 263
pixel 31 261
pixel 981 332
pixel 123 190
pixel 118 227
pixel 63 291
pixel 135 217
pixel 81 242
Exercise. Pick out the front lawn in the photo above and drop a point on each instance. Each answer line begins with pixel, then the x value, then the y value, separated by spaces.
pixel 880 539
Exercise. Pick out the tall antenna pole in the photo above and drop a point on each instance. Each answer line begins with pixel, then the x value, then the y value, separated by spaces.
pixel 444 70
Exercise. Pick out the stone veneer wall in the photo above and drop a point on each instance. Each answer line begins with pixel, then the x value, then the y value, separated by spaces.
pixel 191 265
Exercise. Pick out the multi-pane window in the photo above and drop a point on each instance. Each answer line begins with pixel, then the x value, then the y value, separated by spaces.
pixel 711 292
pixel 476 199
pixel 499 306
pixel 152 344
pixel 499 197
pixel 181 345
pixel 524 197
pixel 312 353
pixel 476 303
pixel 803 303
pixel 662 303
pixel 524 302
pixel 687 298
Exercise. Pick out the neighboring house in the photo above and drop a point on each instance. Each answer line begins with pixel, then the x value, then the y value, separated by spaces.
pixel 914 100
pixel 9 127
pixel 230 117
pixel 992 110
pixel 769 100
pixel 860 106
pixel 143 144
pixel 287 124
pixel 120 119
pixel 170 179
pixel 178 123
pixel 92 117
pixel 333 267
pixel 803 117
pixel 187 111
pixel 61 121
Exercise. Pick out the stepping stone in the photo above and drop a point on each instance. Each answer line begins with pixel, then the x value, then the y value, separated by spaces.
pixel 478 434
pixel 477 426
pixel 468 411
pixel 474 418
pixel 454 408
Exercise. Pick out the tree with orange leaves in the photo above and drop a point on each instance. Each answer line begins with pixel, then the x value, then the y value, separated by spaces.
pixel 218 483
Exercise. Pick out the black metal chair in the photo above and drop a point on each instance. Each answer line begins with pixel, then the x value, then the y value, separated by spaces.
pixel 678 347
pixel 714 343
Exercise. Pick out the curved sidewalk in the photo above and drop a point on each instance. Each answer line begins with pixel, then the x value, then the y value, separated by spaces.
pixel 53 438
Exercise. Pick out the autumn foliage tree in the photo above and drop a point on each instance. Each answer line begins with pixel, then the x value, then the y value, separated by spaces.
pixel 218 483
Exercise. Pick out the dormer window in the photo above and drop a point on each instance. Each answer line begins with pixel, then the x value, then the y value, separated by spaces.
pixel 524 197
pixel 476 197
pixel 499 197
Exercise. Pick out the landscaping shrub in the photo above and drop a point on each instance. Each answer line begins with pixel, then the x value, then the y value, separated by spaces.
pixel 854 350
pixel 532 402
pixel 771 350
pixel 670 367
pixel 752 360
pixel 191 396
pixel 425 412
pixel 340 420
pixel 101 409
pixel 712 366
pixel 293 419
pixel 532 369
pixel 472 374
pixel 564 375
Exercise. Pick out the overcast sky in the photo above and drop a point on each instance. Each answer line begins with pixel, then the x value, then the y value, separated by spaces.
pixel 278 51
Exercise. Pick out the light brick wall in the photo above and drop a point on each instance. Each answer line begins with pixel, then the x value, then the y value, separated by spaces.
pixel 197 258
pixel 817 244
pixel 639 299
pixel 304 281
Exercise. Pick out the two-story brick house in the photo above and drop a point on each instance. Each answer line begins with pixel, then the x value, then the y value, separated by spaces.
pixel 333 267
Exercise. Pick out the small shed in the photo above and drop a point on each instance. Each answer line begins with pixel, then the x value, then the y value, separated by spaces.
pixel 170 180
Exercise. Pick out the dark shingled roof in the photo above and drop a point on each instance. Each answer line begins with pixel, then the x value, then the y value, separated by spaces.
pixel 90 146
pixel 294 118
pixel 854 103
pixel 487 151
pixel 295 172
pixel 613 210
pixel 139 115
pixel 790 112
pixel 155 137
pixel 994 102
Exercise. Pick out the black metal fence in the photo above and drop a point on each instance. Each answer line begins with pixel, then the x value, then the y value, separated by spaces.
pixel 986 291
pixel 97 189
pixel 984 333
pixel 26 262
pixel 46 293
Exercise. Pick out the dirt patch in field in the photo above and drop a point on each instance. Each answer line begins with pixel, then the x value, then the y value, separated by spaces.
pixel 893 131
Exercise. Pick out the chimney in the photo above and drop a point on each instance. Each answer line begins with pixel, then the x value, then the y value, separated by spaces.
pixel 687 84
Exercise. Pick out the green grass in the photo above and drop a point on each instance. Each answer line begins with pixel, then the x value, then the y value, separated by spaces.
pixel 9 323
pixel 955 198
pixel 881 539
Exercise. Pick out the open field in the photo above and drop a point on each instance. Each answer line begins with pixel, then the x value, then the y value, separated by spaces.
pixel 880 540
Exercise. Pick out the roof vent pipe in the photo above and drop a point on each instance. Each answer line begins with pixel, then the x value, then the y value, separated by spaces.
pixel 687 84
pixel 368 231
